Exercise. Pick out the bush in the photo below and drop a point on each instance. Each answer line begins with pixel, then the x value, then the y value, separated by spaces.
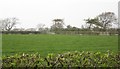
pixel 69 59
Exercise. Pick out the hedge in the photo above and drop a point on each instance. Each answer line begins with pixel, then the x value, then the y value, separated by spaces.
pixel 68 59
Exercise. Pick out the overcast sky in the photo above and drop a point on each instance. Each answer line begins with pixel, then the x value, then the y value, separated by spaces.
pixel 32 12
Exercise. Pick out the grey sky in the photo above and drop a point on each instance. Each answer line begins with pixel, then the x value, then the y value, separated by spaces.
pixel 32 12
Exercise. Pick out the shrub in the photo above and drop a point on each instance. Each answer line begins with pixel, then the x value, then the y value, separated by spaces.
pixel 68 59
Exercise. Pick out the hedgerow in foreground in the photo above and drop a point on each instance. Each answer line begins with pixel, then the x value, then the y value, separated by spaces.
pixel 69 59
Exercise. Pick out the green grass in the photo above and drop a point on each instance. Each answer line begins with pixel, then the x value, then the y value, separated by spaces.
pixel 45 44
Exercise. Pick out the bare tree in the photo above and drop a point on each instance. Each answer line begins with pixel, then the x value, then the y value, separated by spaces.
pixel 103 21
pixel 40 27
pixel 107 19
pixel 8 23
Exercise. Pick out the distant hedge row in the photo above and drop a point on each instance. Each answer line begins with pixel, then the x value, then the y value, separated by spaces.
pixel 62 32
pixel 68 59
pixel 21 32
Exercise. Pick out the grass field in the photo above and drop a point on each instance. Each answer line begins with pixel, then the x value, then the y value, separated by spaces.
pixel 44 44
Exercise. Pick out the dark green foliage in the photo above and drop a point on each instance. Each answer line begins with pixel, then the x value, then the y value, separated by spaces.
pixel 68 59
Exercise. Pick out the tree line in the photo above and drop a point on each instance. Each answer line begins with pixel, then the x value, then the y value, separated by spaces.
pixel 101 24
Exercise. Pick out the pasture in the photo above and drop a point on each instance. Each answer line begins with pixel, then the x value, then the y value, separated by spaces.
pixel 44 44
